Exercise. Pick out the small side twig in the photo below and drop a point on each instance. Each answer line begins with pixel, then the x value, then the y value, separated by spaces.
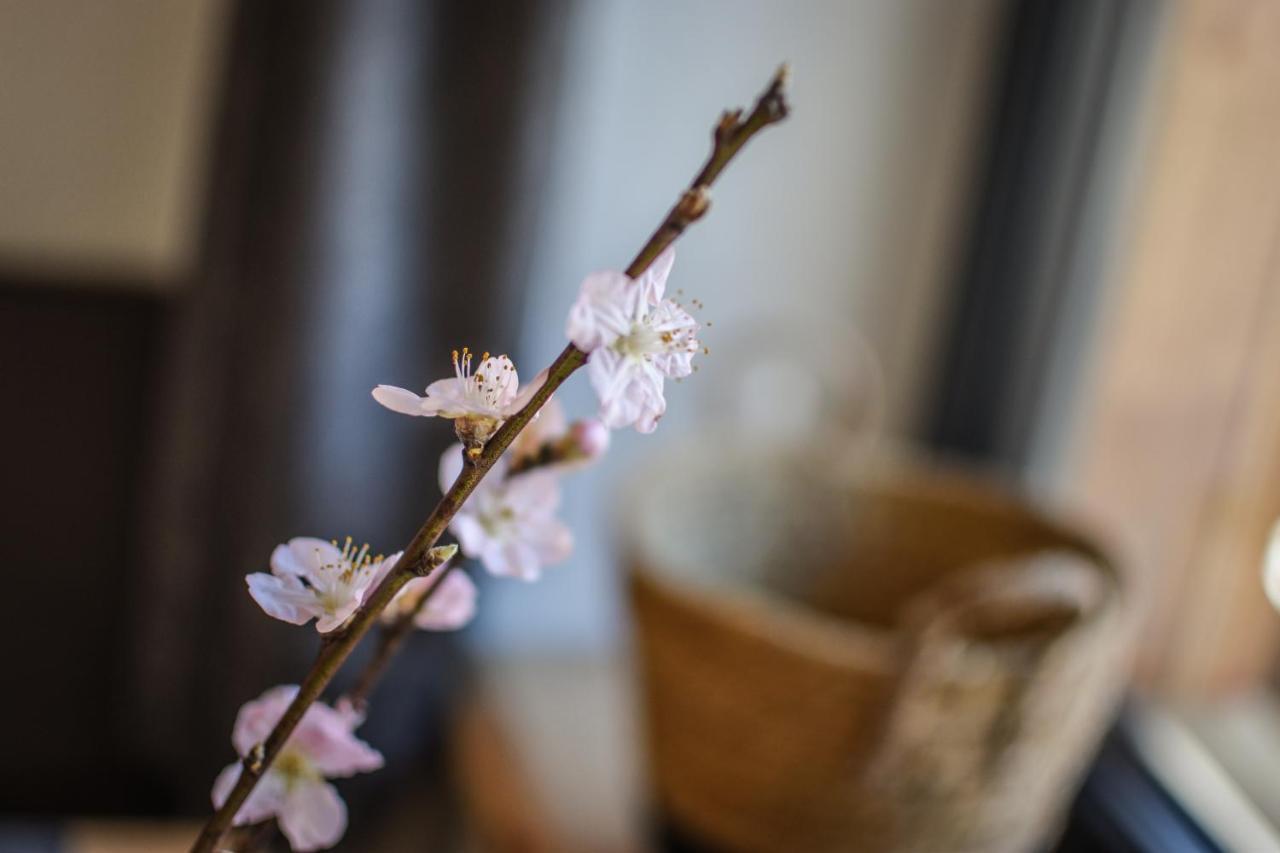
pixel 390 639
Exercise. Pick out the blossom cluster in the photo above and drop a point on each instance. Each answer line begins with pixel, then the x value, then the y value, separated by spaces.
pixel 634 339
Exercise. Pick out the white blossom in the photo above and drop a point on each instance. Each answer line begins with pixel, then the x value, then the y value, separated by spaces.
pixel 293 789
pixel 635 339
pixel 492 391
pixel 509 523
pixel 314 579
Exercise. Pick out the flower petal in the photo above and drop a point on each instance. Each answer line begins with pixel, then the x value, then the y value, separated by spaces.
pixel 302 555
pixel 496 378
pixel 327 621
pixel 599 316
pixel 533 494
pixel 263 802
pixel 620 412
pixel 552 541
pixel 513 559
pixel 646 387
pixel 450 466
pixel 635 398
pixel 611 376
pixel 653 281
pixel 325 737
pixel 448 398
pixel 382 569
pixel 352 716
pixel 284 598
pixel 522 398
pixel 406 600
pixel 472 537
pixel 313 816
pixel 399 400
pixel 308 554
pixel 258 716
pixel 224 783
pixel 648 420
pixel 451 606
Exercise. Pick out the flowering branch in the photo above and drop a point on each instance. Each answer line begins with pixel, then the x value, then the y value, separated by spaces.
pixel 421 558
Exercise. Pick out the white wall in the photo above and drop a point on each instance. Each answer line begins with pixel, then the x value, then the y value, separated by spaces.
pixel 847 209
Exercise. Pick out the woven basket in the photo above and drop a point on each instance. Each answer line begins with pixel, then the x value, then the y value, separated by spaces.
pixel 832 661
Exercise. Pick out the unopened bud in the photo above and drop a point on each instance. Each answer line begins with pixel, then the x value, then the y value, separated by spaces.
pixel 440 555
pixel 590 438
pixel 693 204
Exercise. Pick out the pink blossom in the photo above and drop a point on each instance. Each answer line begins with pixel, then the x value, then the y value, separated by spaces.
pixel 293 789
pixel 311 578
pixel 508 523
pixel 492 391
pixel 451 605
pixel 636 339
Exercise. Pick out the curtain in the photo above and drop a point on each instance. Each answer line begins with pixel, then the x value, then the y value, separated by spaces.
pixel 370 207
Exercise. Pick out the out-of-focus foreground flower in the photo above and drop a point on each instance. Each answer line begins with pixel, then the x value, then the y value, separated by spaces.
pixel 293 790
pixel 449 608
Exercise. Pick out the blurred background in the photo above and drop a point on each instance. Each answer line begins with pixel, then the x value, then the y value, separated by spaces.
pixel 1034 238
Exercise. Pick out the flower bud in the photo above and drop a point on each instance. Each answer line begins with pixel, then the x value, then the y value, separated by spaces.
pixel 590 438
pixel 439 555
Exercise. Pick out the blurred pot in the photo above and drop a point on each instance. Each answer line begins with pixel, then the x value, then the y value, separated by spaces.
pixel 842 660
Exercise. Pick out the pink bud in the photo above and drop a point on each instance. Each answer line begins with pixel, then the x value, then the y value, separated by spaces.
pixel 590 437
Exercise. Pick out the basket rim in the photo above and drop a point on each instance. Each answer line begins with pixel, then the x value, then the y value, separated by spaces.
pixel 791 623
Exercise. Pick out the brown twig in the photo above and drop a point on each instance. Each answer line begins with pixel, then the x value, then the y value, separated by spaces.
pixel 390 639
pixel 731 133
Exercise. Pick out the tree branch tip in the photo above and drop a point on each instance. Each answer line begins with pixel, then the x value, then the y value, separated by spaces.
pixel 773 103
pixel 730 120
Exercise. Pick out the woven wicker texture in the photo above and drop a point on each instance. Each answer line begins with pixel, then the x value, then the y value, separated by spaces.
pixel 832 661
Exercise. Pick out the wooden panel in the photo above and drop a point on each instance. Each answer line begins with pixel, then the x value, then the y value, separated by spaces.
pixel 107 109
pixel 1179 449
pixel 76 369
